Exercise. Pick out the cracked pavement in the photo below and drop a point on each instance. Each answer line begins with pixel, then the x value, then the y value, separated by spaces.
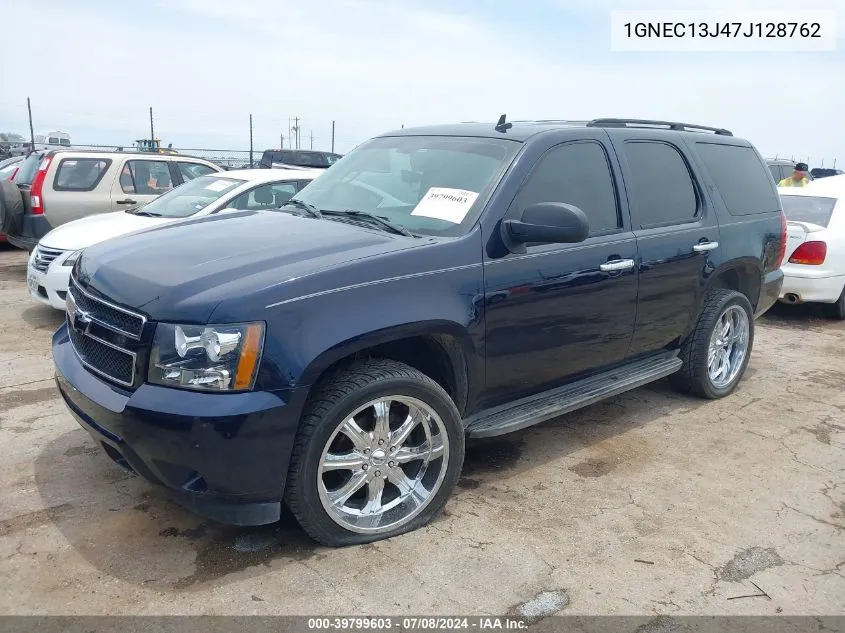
pixel 650 503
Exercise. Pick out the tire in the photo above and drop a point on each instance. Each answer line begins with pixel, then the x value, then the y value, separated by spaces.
pixel 694 376
pixel 11 208
pixel 348 393
pixel 836 310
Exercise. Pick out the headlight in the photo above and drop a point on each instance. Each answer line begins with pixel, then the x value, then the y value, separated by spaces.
pixel 71 259
pixel 206 357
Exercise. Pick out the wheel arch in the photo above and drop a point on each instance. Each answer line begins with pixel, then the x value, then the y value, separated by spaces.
pixel 440 349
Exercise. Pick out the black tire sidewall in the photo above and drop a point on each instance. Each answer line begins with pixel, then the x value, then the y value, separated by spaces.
pixel 725 301
pixel 11 213
pixel 306 490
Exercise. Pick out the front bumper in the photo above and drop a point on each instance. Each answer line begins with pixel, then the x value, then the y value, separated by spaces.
pixel 224 456
pixel 805 289
pixel 769 291
pixel 49 288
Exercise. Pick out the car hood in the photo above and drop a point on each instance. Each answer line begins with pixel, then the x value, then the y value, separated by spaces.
pixel 182 272
pixel 84 232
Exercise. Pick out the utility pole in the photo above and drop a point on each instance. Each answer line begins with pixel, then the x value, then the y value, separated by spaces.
pixel 250 141
pixel 152 131
pixel 332 137
pixel 31 132
pixel 312 139
pixel 296 129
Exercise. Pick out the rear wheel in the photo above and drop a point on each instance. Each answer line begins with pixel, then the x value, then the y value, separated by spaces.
pixel 379 451
pixel 717 352
pixel 836 310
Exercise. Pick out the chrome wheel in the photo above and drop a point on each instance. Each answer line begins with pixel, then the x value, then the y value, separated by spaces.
pixel 728 346
pixel 383 464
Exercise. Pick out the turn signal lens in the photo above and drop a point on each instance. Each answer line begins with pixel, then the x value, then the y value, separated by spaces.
pixel 250 352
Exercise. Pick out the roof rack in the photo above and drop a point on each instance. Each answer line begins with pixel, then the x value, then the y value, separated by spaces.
pixel 671 125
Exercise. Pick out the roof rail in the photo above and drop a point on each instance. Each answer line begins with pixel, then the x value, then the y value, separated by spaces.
pixel 678 127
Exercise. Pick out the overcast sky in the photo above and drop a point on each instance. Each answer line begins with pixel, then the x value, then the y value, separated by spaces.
pixel 94 67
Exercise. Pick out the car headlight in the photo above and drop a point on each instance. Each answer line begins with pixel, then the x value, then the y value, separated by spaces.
pixel 70 260
pixel 206 357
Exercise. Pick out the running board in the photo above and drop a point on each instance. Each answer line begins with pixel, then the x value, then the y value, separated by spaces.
pixel 526 412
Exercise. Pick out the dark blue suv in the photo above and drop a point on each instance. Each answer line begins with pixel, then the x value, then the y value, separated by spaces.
pixel 435 284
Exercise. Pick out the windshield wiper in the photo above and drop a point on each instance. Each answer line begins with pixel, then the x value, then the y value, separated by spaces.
pixel 313 211
pixel 148 214
pixel 378 220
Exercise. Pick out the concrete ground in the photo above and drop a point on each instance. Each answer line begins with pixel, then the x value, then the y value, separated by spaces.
pixel 649 503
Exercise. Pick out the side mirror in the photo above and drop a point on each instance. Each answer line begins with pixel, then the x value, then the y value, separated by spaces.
pixel 546 222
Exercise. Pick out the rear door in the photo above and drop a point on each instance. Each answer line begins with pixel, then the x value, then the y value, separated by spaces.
pixel 677 235
pixel 76 187
pixel 139 181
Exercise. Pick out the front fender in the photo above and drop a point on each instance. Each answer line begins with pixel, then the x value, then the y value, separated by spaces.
pixel 306 336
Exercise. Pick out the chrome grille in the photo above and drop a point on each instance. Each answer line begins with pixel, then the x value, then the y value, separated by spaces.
pixel 103 358
pixel 44 257
pixel 105 337
pixel 106 314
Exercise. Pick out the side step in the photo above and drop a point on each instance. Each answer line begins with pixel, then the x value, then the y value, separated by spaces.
pixel 526 412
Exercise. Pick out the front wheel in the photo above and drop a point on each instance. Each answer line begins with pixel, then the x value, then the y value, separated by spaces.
pixel 716 353
pixel 378 453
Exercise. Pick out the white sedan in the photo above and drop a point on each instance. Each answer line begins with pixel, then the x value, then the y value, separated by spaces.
pixel 50 263
pixel 814 263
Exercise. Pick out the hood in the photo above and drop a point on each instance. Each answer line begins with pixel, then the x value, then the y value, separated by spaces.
pixel 183 271
pixel 84 232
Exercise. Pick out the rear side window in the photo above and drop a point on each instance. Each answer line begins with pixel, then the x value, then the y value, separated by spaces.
pixel 577 174
pixel 740 177
pixel 80 174
pixel 812 209
pixel 776 172
pixel 662 191
pixel 190 171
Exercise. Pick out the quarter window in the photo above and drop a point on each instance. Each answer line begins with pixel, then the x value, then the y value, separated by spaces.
pixel 577 174
pixel 740 176
pixel 145 177
pixel 662 192
pixel 80 174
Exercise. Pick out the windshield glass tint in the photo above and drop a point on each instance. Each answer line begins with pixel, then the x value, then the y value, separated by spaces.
pixel 808 209
pixel 428 184
pixel 192 197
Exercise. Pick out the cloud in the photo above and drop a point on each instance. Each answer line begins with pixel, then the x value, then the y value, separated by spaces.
pixel 373 65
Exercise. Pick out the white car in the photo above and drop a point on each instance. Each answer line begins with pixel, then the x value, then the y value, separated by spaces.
pixel 50 263
pixel 814 262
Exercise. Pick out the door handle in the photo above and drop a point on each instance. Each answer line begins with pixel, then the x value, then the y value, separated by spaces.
pixel 703 247
pixel 127 201
pixel 617 265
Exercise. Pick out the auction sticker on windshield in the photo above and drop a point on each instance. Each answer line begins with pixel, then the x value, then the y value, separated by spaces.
pixel 442 203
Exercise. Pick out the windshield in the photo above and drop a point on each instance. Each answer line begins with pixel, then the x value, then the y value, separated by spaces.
pixel 810 209
pixel 428 184
pixel 192 197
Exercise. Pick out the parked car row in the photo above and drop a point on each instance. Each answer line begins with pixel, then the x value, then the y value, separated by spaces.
pixel 244 341
pixel 328 338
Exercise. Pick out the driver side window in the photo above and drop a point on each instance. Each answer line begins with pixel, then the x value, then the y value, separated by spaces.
pixel 578 174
